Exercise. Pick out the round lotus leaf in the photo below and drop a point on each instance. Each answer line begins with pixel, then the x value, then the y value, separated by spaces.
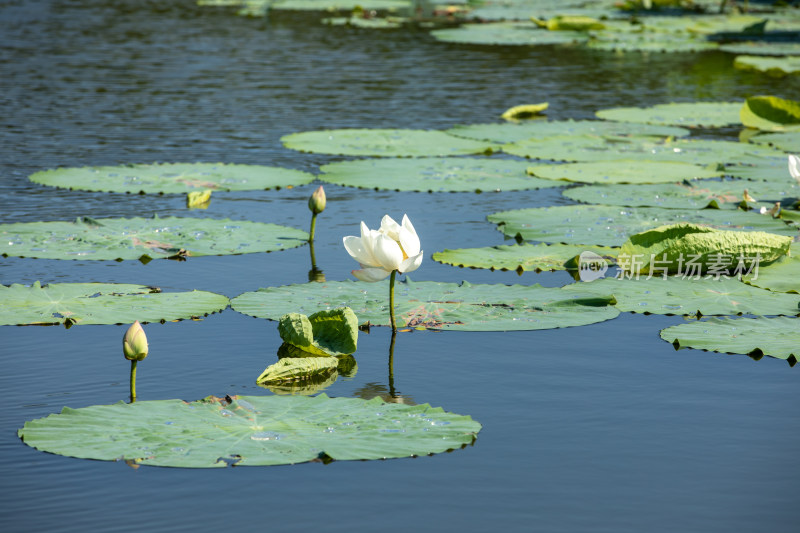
pixel 432 305
pixel 335 5
pixel 697 195
pixel 510 132
pixel 781 276
pixel 776 67
pixel 384 143
pixel 172 178
pixel 540 9
pixel 507 33
pixel 611 226
pixel 144 238
pixel 691 114
pixel 249 431
pixel 593 148
pixel 101 303
pixel 762 48
pixel 775 169
pixel 523 257
pixel 648 42
pixel 691 295
pixel 788 142
pixel 624 171
pixel 449 174
pixel 777 337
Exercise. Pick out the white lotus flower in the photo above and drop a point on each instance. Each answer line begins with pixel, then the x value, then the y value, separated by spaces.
pixel 380 252
pixel 794 167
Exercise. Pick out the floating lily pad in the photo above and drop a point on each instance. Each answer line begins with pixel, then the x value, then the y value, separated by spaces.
pixel 648 42
pixel 149 238
pixel 788 142
pixel 523 257
pixel 172 178
pixel 384 143
pixel 335 5
pixel 697 195
pixel 525 111
pixel 611 226
pixel 776 67
pixel 762 48
pixel 249 430
pixel 686 295
pixel 101 303
pixel 770 113
pixel 781 276
pixel 451 174
pixel 507 33
pixel 513 132
pixel 624 171
pixel 431 305
pixel 777 337
pixel 773 169
pixel 694 114
pixel 593 148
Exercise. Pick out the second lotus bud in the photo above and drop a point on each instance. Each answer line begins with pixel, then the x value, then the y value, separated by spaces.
pixel 134 343
pixel 317 201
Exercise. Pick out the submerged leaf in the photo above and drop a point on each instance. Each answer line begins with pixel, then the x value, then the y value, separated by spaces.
pixel 524 111
pixel 249 431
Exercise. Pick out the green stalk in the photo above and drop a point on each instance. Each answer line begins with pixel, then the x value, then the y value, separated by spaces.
pixel 391 300
pixel 391 366
pixel 133 380
pixel 311 232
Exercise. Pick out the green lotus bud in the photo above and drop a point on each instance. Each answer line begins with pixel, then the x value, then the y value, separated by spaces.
pixel 317 201
pixel 134 343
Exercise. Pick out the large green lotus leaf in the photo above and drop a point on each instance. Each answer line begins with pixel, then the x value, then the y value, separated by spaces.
pixel 384 143
pixel 690 295
pixel 507 33
pixel 624 171
pixel 762 48
pixel 648 42
pixel 136 238
pixel 172 178
pixel 770 113
pixel 672 247
pixel 594 148
pixel 697 195
pixel 781 276
pixel 611 226
pixel 337 5
pixel 540 9
pixel 510 132
pixel 774 169
pixel 776 67
pixel 777 337
pixel 523 257
pixel 101 303
pixel 788 142
pixel 249 430
pixel 693 114
pixel 329 332
pixel 451 174
pixel 291 369
pixel 432 305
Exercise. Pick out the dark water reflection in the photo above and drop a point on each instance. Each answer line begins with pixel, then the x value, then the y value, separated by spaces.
pixel 598 428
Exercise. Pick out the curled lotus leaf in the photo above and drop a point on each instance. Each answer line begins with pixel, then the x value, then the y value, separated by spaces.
pixel 291 369
pixel 523 257
pixel 101 303
pixel 433 305
pixel 770 113
pixel 445 174
pixel 172 178
pixel 611 225
pixel 144 238
pixel 689 114
pixel 384 143
pixel 510 132
pixel 777 337
pixel 249 431
pixel 624 171
pixel 329 332
pixel 691 294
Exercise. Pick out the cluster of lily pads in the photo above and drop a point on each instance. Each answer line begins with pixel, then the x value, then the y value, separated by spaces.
pixel 645 189
pixel 763 38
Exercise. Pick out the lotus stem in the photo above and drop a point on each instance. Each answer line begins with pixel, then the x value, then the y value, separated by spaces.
pixel 133 380
pixel 391 301
pixel 311 232
pixel 391 366
pixel 313 257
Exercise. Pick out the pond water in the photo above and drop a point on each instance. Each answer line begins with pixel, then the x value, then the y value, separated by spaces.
pixel 598 428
